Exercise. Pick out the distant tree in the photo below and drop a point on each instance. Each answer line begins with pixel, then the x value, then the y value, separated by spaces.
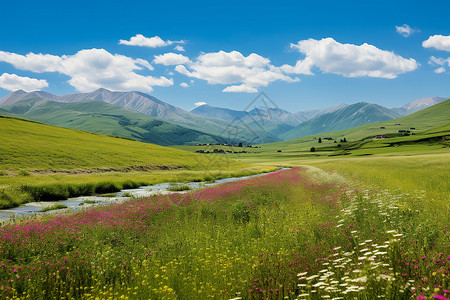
pixel 335 142
pixel 341 140
pixel 339 146
pixel 320 140
pixel 240 144
pixel 312 149
pixel 345 140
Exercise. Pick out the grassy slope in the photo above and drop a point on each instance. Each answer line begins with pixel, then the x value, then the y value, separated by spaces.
pixel 432 123
pixel 423 120
pixel 39 146
pixel 104 118
pixel 73 161
pixel 347 117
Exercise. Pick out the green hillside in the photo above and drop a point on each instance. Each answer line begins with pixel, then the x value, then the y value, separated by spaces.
pixel 44 162
pixel 104 118
pixel 33 146
pixel 431 134
pixel 344 118
pixel 423 120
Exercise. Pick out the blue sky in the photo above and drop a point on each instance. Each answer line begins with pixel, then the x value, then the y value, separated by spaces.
pixel 345 51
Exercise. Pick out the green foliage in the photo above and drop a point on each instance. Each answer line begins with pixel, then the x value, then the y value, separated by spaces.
pixel 179 188
pixel 108 195
pixel 271 237
pixel 87 201
pixel 53 207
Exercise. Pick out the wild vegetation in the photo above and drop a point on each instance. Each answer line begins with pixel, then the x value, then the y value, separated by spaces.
pixel 365 220
pixel 50 163
pixel 294 233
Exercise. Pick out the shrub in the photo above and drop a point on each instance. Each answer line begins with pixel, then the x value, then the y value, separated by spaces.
pixel 53 207
pixel 107 187
pixel 179 188
pixel 50 192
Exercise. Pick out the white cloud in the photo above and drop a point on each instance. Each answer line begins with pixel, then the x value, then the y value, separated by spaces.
pixel 405 30
pixel 200 103
pixel 232 68
pixel 349 60
pixel 169 59
pixel 152 42
pixel 91 69
pixel 439 61
pixel 13 82
pixel 439 42
pixel 179 48
pixel 184 84
pixel 243 88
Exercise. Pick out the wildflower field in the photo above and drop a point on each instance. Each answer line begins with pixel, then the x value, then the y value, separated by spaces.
pixel 295 234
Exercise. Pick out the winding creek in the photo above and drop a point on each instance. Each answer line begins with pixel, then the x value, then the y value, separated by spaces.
pixel 78 203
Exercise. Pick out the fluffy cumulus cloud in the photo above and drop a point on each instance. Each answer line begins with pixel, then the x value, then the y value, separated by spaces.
pixel 440 62
pixel 241 73
pixel 404 30
pixel 439 42
pixel 348 60
pixel 184 84
pixel 200 103
pixel 91 69
pixel 169 59
pixel 13 82
pixel 152 42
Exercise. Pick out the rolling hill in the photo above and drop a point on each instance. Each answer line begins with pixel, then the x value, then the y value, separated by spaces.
pixel 151 106
pixel 343 118
pixel 34 146
pixel 431 119
pixel 104 118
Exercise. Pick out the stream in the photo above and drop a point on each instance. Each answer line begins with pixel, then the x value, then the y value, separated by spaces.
pixel 78 203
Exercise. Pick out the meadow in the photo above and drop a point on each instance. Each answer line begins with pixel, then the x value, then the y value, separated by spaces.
pixel 51 163
pixel 297 234
pixel 365 220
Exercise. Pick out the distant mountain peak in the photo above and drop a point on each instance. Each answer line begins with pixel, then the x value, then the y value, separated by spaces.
pixel 417 105
pixel 19 92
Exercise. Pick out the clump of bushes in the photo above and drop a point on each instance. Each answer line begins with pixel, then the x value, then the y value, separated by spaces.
pixel 59 191
pixel 13 198
pixel 53 207
pixel 179 188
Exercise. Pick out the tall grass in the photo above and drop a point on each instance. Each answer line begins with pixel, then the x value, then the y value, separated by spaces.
pixel 20 190
pixel 284 235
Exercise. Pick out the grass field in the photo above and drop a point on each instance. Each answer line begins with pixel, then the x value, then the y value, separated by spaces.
pixel 294 234
pixel 52 163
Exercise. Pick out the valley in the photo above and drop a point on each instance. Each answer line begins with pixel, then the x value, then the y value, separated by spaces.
pixel 361 213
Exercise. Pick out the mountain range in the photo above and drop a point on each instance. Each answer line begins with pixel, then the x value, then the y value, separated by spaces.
pixel 145 118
